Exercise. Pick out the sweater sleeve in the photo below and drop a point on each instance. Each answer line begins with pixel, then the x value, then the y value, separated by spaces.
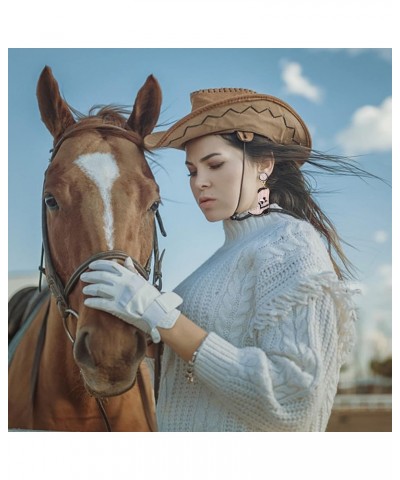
pixel 301 337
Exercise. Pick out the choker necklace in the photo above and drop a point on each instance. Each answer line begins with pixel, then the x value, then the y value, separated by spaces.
pixel 243 216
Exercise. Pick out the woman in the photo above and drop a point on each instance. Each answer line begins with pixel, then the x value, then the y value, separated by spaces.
pixel 265 324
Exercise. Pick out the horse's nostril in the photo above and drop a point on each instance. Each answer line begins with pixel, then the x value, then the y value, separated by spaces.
pixel 82 351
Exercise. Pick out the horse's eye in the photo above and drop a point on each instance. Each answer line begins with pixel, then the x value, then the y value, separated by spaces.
pixel 50 202
pixel 155 206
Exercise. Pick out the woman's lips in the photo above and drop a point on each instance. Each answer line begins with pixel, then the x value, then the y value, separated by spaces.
pixel 206 201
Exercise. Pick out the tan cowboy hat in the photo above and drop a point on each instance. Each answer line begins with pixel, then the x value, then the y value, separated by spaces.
pixel 226 110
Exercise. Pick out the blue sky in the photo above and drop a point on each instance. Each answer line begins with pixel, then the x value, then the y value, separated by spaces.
pixel 344 96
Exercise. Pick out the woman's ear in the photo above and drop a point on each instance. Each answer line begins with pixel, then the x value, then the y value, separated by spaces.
pixel 267 165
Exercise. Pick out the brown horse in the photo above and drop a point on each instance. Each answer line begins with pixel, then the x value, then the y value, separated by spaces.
pixel 99 198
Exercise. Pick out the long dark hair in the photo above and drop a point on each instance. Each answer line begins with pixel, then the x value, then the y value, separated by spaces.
pixel 292 189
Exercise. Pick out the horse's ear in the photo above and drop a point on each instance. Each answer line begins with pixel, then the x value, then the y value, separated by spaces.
pixel 54 111
pixel 147 107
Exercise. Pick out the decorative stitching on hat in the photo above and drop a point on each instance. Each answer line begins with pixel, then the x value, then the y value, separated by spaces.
pixel 240 112
pixel 221 90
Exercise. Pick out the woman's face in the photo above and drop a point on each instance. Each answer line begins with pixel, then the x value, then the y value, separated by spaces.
pixel 215 170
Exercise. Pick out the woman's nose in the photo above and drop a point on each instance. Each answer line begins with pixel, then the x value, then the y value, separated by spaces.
pixel 202 181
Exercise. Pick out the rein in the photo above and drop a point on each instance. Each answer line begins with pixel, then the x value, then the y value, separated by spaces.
pixel 61 292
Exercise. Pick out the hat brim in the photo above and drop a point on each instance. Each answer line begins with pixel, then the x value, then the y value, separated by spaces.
pixel 261 114
pixel 151 141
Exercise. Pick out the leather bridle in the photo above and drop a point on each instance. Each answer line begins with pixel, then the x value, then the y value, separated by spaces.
pixel 56 286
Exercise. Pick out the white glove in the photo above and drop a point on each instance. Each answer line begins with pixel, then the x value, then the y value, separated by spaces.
pixel 121 291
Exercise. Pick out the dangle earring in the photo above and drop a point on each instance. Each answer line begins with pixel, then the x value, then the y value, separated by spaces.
pixel 263 196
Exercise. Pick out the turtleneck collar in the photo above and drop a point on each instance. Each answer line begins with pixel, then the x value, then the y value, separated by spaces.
pixel 236 229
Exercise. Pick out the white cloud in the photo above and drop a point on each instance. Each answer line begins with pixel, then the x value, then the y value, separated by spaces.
pixel 383 53
pixel 380 236
pixel 370 130
pixel 298 84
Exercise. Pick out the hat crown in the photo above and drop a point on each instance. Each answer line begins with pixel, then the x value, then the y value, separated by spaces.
pixel 202 98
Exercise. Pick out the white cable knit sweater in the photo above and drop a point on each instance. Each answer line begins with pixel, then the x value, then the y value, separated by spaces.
pixel 280 326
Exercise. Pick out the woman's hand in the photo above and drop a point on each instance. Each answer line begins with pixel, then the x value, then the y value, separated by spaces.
pixel 121 291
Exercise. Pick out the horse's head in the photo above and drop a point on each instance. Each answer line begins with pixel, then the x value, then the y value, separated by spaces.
pixel 100 195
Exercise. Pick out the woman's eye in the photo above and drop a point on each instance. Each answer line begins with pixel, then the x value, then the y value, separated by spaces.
pixel 216 165
pixel 51 202
pixel 210 166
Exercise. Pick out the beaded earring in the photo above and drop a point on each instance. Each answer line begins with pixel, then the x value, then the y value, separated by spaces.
pixel 263 196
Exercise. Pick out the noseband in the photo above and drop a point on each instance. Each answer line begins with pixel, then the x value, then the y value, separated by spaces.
pixel 56 286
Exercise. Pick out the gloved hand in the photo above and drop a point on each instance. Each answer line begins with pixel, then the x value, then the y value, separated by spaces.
pixel 121 291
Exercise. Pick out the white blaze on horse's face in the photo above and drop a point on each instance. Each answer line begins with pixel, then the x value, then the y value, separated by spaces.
pixel 103 170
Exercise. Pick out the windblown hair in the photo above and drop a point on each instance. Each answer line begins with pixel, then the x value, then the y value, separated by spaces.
pixel 292 190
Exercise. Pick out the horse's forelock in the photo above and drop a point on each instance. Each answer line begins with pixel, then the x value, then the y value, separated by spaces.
pixel 101 116
pixel 116 114
pixel 113 114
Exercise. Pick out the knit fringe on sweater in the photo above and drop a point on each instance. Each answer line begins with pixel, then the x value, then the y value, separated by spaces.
pixel 300 293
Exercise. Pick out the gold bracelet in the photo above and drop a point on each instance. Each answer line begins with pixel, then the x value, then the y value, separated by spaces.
pixel 190 368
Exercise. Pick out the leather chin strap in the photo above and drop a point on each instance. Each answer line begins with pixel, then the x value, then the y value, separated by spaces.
pixel 235 215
